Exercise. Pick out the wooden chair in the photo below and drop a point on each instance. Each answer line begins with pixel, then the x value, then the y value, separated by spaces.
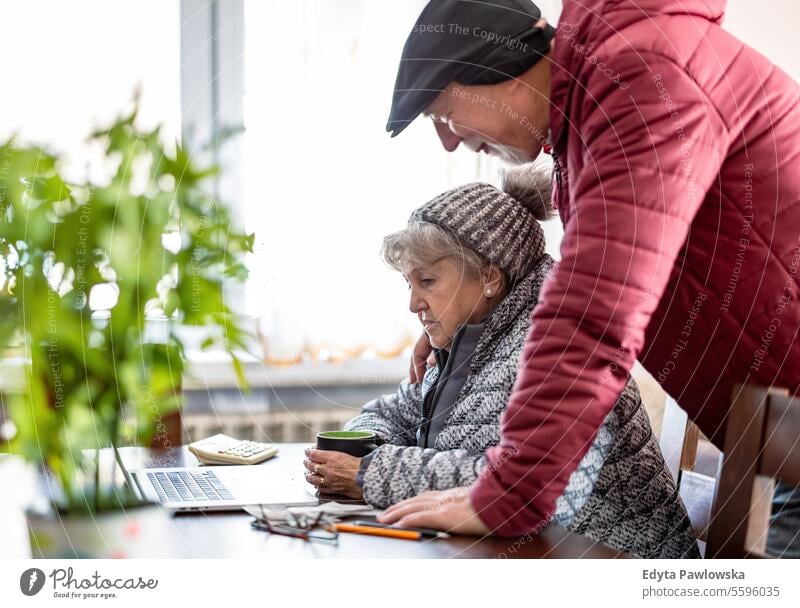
pixel 679 438
pixel 762 443
pixel 679 442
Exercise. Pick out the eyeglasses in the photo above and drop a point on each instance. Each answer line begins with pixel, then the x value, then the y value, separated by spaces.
pixel 299 526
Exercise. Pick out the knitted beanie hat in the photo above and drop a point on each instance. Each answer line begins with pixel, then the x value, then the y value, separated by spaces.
pixel 499 224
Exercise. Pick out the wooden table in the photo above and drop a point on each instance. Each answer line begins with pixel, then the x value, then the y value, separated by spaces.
pixel 214 535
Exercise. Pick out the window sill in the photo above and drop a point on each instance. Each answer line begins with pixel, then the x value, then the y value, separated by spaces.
pixel 213 370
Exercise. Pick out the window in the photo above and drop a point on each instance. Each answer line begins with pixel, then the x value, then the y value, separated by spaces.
pixel 314 175
pixel 65 75
pixel 324 182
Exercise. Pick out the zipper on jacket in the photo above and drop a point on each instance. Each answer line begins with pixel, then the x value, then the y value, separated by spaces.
pixel 557 169
pixel 444 376
pixel 559 179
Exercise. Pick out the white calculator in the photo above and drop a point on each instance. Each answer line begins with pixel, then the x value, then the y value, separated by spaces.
pixel 221 449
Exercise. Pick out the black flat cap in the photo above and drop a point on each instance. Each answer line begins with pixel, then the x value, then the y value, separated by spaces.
pixel 468 42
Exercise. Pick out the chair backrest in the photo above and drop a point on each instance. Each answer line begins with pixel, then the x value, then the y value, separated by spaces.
pixel 679 443
pixel 678 440
pixel 762 443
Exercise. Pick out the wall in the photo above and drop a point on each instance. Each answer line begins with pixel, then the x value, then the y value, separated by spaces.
pixel 770 27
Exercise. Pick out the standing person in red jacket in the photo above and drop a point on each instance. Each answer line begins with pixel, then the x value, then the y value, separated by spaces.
pixel 676 150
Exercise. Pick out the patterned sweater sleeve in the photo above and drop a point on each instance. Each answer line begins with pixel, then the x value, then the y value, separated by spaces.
pixel 394 418
pixel 395 473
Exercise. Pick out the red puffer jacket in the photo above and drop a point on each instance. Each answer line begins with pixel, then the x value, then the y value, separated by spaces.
pixel 679 149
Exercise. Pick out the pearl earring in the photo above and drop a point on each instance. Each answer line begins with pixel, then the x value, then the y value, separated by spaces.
pixel 488 292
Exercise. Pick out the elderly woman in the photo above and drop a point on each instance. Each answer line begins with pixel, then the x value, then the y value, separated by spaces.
pixel 474 261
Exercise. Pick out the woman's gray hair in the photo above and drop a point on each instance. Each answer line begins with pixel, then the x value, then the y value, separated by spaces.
pixel 422 243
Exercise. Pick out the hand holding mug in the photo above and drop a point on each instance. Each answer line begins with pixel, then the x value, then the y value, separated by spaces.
pixel 333 464
pixel 333 472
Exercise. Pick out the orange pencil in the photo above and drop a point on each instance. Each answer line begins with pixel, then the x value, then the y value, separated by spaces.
pixel 405 534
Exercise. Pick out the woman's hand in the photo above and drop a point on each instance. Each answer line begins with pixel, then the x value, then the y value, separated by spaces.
pixel 419 357
pixel 448 510
pixel 333 472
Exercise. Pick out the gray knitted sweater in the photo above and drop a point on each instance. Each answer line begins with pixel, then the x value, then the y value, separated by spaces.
pixel 620 494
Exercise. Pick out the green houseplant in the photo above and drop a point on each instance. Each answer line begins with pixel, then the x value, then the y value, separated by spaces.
pixel 84 269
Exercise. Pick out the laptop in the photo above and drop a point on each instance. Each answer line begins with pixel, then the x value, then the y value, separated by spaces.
pixel 220 488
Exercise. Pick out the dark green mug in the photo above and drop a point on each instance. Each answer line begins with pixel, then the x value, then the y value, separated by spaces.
pixel 355 443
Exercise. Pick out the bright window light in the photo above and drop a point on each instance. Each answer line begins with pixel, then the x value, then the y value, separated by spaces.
pixel 324 182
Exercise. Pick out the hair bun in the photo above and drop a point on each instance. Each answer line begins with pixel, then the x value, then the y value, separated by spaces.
pixel 530 185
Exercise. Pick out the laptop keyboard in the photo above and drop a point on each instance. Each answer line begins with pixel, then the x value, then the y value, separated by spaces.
pixel 188 485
